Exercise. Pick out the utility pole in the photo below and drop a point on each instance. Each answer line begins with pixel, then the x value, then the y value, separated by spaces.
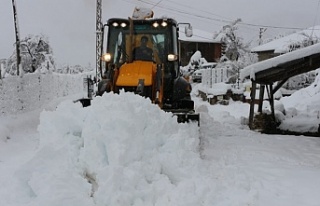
pixel 262 30
pixel 98 37
pixel 15 16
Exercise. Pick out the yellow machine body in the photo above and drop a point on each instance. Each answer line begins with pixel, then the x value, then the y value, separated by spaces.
pixel 131 73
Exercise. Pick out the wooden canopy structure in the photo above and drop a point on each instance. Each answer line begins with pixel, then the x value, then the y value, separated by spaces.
pixel 279 69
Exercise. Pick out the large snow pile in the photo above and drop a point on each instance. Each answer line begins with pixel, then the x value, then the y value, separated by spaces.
pixel 133 154
pixel 123 150
pixel 303 109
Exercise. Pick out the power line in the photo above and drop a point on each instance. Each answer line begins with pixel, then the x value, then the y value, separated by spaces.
pixel 216 19
pixel 224 21
pixel 157 4
pixel 268 26
pixel 173 2
pixel 186 12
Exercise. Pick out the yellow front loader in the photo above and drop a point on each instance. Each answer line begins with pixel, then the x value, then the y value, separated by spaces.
pixel 156 75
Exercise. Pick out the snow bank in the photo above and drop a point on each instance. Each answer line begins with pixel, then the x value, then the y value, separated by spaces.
pixel 4 133
pixel 125 151
pixel 303 109
pixel 130 151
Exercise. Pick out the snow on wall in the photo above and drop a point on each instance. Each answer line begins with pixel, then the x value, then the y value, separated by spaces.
pixel 22 94
pixel 213 76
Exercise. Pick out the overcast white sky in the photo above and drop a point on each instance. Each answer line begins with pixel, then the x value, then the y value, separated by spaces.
pixel 70 24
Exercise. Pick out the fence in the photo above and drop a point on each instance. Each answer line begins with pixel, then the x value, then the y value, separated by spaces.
pixel 213 76
pixel 21 94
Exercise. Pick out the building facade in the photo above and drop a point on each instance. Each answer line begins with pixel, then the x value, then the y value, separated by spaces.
pixel 202 41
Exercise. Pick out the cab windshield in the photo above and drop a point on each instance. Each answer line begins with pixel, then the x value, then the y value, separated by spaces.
pixel 122 41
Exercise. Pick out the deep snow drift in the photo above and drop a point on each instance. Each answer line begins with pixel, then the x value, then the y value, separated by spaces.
pixel 123 150
pixel 131 155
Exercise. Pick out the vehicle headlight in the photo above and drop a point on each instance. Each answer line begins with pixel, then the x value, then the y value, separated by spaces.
pixel 164 24
pixel 172 57
pixel 106 57
pixel 155 24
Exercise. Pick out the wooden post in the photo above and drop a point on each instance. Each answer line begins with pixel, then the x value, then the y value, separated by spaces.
pixel 253 97
pixel 15 16
pixel 272 102
pixel 261 95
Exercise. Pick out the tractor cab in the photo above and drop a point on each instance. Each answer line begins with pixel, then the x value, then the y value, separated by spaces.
pixel 136 67
pixel 126 35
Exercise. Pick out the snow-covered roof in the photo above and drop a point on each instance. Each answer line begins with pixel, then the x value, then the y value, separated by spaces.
pixel 281 45
pixel 198 36
pixel 251 70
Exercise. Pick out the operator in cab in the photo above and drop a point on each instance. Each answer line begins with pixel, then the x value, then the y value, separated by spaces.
pixel 143 52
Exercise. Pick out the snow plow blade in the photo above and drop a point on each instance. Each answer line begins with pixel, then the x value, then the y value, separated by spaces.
pixel 84 101
pixel 182 117
pixel 185 116
pixel 185 111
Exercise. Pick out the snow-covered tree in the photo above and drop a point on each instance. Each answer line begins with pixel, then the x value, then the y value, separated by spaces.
pixel 36 55
pixel 237 54
pixel 307 41
pixel 300 81
pixel 232 42
pixel 194 63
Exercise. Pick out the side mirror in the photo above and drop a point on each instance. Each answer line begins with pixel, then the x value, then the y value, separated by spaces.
pixel 188 30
